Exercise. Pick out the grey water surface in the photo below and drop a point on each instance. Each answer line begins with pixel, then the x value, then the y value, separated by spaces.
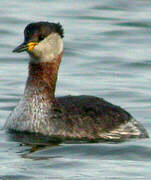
pixel 107 54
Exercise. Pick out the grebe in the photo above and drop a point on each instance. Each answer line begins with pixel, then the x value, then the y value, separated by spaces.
pixel 69 117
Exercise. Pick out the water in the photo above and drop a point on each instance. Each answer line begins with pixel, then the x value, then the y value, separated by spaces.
pixel 107 54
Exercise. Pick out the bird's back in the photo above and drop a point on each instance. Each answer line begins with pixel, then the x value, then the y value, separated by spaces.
pixel 90 117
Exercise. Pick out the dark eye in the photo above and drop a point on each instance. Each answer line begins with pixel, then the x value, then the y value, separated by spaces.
pixel 41 37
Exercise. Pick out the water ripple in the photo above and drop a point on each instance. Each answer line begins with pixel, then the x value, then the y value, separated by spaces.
pixel 107 54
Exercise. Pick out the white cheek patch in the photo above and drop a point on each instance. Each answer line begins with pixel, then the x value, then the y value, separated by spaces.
pixel 49 48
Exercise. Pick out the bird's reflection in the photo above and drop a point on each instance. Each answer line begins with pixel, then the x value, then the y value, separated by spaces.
pixel 30 143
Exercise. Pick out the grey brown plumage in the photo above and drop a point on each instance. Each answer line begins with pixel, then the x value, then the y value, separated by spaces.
pixel 69 117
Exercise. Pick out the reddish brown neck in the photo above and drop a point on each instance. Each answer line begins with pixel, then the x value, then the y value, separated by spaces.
pixel 43 76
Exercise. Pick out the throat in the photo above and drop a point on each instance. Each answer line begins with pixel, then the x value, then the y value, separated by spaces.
pixel 42 78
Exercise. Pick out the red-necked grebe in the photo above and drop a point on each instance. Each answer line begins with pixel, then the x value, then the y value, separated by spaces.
pixel 71 117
